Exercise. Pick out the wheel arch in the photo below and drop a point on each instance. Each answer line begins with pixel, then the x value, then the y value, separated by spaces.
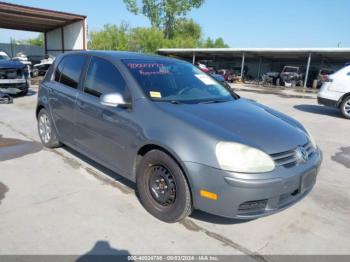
pixel 342 99
pixel 144 149
pixel 38 109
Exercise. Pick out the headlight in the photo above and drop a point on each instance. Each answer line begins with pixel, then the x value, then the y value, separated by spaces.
pixel 312 140
pixel 239 158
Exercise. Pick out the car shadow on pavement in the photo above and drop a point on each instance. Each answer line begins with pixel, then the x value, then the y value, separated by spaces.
pixel 196 215
pixel 209 218
pixel 102 251
pixel 31 92
pixel 319 110
pixel 101 168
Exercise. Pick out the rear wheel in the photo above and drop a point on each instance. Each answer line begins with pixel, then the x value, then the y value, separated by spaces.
pixel 345 107
pixel 163 188
pixel 47 132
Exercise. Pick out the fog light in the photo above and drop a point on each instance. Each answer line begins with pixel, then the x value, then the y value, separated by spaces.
pixel 253 205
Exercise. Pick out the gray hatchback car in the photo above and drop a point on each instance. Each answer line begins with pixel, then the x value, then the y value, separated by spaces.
pixel 186 140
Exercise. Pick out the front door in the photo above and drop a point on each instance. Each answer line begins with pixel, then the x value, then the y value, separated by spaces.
pixel 105 132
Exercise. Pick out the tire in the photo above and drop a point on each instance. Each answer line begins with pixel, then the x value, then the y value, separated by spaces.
pixel 155 168
pixel 345 107
pixel 47 132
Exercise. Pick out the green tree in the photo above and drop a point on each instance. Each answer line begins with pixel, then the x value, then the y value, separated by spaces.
pixel 146 40
pixel 217 43
pixel 111 37
pixel 163 14
pixel 38 41
pixel 187 28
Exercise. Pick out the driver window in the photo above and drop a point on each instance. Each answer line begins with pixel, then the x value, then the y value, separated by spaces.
pixel 103 78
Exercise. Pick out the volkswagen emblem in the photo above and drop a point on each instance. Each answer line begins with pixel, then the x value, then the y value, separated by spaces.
pixel 301 155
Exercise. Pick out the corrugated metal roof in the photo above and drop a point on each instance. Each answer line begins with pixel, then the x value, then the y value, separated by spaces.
pixel 256 50
pixel 26 18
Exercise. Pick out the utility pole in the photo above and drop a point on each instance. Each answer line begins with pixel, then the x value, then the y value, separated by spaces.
pixel 11 44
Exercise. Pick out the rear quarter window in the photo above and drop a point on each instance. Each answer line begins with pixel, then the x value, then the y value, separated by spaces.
pixel 69 70
pixel 48 75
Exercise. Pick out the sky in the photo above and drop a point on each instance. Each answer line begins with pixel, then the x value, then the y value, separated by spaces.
pixel 241 23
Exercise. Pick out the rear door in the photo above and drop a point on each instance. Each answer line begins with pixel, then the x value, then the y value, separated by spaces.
pixel 63 93
pixel 105 132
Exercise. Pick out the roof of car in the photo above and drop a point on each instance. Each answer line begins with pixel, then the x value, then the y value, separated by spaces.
pixel 119 55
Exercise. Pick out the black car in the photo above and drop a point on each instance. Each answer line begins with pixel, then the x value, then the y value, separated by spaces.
pixel 13 76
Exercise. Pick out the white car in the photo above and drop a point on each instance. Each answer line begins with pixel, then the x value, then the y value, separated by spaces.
pixel 335 91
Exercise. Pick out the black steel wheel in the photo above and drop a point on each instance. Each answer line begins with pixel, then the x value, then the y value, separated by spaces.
pixel 162 185
pixel 163 188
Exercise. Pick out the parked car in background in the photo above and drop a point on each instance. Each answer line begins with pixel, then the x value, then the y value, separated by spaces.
pixel 22 57
pixel 13 75
pixel 270 78
pixel 291 76
pixel 335 91
pixel 233 74
pixel 186 140
pixel 44 65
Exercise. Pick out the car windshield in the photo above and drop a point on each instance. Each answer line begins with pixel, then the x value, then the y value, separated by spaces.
pixel 290 70
pixel 326 72
pixel 177 81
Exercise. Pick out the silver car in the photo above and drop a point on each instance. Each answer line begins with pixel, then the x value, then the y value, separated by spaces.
pixel 186 140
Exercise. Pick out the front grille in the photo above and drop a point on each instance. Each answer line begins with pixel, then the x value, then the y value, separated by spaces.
pixel 290 158
pixel 10 73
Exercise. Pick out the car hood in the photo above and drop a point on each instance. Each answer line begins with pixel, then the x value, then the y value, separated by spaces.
pixel 4 64
pixel 243 121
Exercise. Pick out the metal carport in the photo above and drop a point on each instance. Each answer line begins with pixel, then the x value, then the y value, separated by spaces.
pixel 305 56
pixel 63 31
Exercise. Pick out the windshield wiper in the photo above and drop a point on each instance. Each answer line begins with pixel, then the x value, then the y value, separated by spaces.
pixel 213 102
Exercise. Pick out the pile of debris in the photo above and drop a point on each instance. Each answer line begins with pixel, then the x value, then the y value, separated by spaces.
pixel 5 99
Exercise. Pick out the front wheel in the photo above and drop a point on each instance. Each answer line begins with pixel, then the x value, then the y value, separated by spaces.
pixel 345 108
pixel 163 188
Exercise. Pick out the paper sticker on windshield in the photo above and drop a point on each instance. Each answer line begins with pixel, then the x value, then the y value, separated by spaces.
pixel 155 94
pixel 206 80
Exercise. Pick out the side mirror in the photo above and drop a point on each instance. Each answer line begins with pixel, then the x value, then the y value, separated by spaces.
pixel 113 100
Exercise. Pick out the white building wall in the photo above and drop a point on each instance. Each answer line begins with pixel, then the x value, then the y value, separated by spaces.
pixel 71 40
pixel 74 36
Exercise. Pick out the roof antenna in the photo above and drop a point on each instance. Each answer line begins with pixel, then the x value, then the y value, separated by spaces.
pixel 339 44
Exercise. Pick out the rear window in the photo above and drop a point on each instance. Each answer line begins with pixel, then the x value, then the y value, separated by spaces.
pixel 69 70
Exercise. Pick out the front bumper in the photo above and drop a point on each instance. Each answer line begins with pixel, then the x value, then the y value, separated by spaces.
pixel 249 196
pixel 13 86
pixel 327 102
